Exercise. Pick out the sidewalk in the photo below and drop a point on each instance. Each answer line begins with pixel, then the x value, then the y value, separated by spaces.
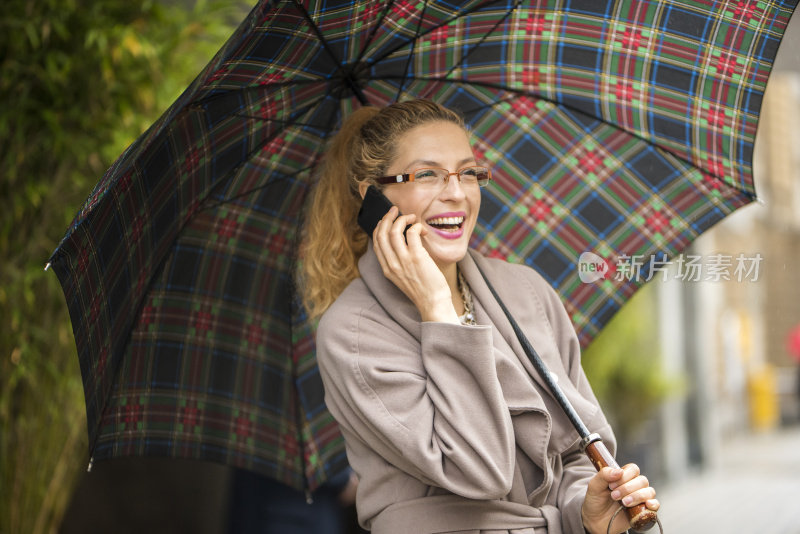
pixel 754 489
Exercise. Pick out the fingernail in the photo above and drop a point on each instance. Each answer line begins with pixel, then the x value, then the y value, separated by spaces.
pixel 627 500
pixel 615 495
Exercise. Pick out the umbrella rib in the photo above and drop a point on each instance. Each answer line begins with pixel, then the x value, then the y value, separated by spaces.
pixel 483 39
pixel 253 189
pixel 374 31
pixel 200 102
pixel 399 46
pixel 259 187
pixel 327 94
pixel 417 35
pixel 287 124
pixel 347 75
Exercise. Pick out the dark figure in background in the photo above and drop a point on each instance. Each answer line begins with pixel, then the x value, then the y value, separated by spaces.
pixel 260 505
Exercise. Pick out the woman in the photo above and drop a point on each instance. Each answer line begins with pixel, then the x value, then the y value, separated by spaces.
pixel 446 423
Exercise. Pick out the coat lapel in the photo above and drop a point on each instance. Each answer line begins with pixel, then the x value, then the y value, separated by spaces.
pixel 528 310
pixel 496 316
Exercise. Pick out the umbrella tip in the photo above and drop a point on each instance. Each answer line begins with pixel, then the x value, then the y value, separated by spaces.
pixel 47 266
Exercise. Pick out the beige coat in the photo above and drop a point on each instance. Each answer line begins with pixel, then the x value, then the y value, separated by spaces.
pixel 449 427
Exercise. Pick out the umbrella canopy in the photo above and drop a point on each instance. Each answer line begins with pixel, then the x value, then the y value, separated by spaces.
pixel 624 128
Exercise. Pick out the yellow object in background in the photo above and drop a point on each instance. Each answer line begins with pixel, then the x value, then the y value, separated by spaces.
pixel 763 394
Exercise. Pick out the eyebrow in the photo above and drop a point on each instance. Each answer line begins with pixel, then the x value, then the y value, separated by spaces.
pixel 431 163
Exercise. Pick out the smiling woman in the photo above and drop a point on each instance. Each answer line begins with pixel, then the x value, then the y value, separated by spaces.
pixel 447 425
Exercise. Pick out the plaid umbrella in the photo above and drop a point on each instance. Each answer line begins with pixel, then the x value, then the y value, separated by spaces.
pixel 624 128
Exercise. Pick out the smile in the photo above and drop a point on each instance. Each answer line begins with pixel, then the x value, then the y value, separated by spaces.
pixel 446 223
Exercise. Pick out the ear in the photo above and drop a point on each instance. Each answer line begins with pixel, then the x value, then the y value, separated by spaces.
pixel 362 189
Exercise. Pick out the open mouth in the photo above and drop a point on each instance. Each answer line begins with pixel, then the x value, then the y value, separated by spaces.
pixel 446 223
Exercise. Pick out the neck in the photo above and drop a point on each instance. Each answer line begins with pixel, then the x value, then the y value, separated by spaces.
pixel 450 273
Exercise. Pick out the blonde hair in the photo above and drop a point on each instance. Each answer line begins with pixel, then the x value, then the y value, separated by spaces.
pixel 361 151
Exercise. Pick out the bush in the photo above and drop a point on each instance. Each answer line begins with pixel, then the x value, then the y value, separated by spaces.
pixel 80 81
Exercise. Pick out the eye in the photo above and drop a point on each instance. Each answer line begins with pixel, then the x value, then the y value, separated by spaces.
pixel 425 173
pixel 472 172
pixel 427 176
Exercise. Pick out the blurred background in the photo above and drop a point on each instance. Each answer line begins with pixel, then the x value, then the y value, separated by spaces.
pixel 694 373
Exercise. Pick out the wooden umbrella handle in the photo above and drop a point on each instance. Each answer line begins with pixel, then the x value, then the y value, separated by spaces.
pixel 640 517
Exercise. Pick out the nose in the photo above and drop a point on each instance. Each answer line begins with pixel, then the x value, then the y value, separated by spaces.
pixel 453 186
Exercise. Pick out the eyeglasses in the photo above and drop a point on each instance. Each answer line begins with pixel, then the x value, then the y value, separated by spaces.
pixel 435 177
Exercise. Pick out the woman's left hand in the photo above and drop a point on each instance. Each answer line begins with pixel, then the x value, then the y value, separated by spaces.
pixel 609 487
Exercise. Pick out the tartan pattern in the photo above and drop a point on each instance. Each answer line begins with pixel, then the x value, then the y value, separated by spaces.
pixel 622 128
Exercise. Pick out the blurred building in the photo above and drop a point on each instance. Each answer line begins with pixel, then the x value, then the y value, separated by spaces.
pixel 727 338
pixel 778 226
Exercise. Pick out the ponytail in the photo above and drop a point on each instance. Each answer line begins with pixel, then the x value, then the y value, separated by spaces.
pixel 333 241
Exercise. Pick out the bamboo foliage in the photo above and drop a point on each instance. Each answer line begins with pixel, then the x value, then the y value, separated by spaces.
pixel 80 80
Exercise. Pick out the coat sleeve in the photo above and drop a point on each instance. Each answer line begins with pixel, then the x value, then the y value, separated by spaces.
pixel 577 470
pixel 432 408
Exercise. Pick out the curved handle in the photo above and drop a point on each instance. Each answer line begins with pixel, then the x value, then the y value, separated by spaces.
pixel 640 517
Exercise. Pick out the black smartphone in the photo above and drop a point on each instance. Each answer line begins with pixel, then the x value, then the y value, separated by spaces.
pixel 374 206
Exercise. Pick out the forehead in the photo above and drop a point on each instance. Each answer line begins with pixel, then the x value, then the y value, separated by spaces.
pixel 434 143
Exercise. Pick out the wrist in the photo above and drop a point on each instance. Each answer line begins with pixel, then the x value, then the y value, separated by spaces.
pixel 439 312
pixel 590 527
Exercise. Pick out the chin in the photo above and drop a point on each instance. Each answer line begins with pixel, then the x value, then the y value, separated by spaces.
pixel 444 256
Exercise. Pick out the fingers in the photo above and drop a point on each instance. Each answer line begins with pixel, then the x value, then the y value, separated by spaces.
pixel 643 495
pixel 413 236
pixel 630 487
pixel 388 238
pixel 601 482
pixel 626 485
pixel 622 475
pixel 394 246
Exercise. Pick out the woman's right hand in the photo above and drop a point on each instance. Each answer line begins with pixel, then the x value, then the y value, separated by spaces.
pixel 407 264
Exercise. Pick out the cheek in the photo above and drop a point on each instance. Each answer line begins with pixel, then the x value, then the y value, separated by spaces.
pixel 406 201
pixel 475 203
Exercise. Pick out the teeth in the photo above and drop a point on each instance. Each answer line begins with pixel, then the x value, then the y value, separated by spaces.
pixel 440 221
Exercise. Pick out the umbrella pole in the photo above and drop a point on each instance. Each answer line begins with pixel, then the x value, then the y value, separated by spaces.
pixel 640 517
